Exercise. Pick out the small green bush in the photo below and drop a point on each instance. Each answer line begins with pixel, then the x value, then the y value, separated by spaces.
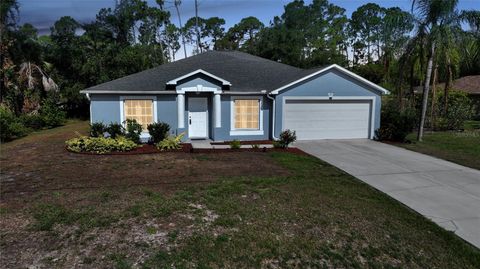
pixel 134 130
pixel 32 121
pixel 287 137
pixel 396 123
pixel 10 126
pixel 100 145
pixel 235 144
pixel 97 129
pixel 51 114
pixel 158 131
pixel 115 130
pixel 171 142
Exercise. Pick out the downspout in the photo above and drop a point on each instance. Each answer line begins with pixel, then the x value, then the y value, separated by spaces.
pixel 273 116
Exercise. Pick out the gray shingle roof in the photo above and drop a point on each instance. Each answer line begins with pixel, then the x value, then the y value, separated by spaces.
pixel 246 73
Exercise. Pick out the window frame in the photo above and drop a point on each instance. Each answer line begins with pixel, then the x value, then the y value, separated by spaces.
pixel 234 131
pixel 138 97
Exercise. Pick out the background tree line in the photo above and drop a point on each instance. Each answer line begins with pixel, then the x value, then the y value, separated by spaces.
pixel 395 48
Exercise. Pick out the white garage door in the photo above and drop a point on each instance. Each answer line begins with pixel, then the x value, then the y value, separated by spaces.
pixel 324 119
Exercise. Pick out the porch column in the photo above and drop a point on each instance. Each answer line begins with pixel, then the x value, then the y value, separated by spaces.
pixel 217 108
pixel 181 110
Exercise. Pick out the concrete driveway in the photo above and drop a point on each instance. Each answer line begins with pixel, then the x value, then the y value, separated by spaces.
pixel 446 193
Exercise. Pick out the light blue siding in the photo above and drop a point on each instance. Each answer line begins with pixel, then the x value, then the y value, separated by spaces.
pixel 167 111
pixel 332 81
pixel 223 134
pixel 104 108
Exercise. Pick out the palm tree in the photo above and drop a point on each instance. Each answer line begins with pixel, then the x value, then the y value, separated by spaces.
pixel 434 17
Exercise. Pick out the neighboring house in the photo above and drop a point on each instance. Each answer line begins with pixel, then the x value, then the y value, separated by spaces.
pixel 227 95
pixel 468 84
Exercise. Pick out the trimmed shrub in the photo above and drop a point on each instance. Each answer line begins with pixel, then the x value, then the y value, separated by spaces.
pixel 171 142
pixel 115 130
pixel 287 137
pixel 10 126
pixel 134 129
pixel 97 129
pixel 51 114
pixel 235 144
pixel 396 123
pixel 158 131
pixel 100 145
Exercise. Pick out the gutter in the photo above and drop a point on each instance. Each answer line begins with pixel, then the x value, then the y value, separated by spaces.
pixel 273 116
pixel 127 92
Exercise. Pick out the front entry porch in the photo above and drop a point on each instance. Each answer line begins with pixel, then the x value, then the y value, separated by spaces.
pixel 199 111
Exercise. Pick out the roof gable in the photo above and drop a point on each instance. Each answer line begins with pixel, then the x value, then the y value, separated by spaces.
pixel 330 67
pixel 199 71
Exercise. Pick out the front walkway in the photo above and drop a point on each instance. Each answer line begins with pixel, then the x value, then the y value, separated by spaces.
pixel 446 193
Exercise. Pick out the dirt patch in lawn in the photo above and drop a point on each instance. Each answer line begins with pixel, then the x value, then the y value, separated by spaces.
pixel 62 209
pixel 35 166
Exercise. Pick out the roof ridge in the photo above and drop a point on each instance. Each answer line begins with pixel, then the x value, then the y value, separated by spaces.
pixel 258 57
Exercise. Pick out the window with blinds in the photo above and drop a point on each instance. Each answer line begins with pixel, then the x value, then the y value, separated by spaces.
pixel 139 110
pixel 247 114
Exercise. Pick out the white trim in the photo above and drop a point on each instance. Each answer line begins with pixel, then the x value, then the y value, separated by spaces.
pixel 273 116
pixel 181 110
pixel 126 92
pixel 199 88
pixel 371 134
pixel 244 93
pixel 207 121
pixel 234 131
pixel 91 116
pixel 217 108
pixel 246 132
pixel 146 97
pixel 175 81
pixel 339 68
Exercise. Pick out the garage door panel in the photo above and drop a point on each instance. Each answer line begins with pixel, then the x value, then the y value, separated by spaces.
pixel 327 119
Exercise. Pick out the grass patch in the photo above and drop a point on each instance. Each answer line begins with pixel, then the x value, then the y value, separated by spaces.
pixel 155 204
pixel 48 215
pixel 316 217
pixel 458 147
pixel 120 261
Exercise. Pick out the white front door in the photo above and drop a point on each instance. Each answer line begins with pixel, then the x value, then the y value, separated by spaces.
pixel 197 117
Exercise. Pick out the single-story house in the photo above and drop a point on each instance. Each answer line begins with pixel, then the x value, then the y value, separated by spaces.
pixel 227 95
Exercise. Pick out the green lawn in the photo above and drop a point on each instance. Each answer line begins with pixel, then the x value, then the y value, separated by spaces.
pixel 182 210
pixel 459 147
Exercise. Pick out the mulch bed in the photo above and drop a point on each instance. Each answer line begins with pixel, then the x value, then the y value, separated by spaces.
pixel 291 150
pixel 187 148
pixel 253 142
pixel 144 149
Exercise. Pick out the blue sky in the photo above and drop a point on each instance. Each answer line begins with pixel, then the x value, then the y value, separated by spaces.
pixel 43 13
